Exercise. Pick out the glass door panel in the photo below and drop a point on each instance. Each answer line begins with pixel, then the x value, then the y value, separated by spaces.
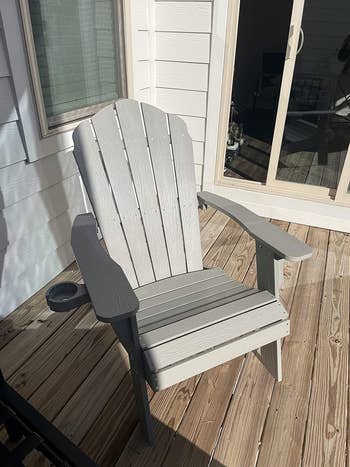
pixel 262 38
pixel 316 134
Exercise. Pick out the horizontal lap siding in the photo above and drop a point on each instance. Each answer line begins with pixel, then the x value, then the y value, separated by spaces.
pixel 141 49
pixel 38 203
pixel 37 213
pixel 11 145
pixel 182 34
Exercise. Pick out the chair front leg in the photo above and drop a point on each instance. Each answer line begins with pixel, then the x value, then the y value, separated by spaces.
pixel 126 331
pixel 270 277
pixel 270 355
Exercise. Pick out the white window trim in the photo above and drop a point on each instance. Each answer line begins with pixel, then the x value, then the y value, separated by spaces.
pixel 67 120
pixel 36 146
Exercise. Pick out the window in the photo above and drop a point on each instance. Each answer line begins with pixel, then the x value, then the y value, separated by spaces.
pixel 76 56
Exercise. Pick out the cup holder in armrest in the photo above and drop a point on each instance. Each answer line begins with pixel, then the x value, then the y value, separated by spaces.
pixel 66 296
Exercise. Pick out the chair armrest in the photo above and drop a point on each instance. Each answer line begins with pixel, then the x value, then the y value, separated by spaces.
pixel 283 245
pixel 110 291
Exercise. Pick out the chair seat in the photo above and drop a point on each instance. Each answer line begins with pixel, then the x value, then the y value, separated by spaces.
pixel 192 322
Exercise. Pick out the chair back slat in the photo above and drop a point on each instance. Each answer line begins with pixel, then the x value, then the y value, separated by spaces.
pixel 160 151
pixel 186 184
pixel 117 170
pixel 137 166
pixel 130 121
pixel 87 155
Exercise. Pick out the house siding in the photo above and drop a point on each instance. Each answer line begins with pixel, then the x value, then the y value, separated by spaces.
pixel 38 200
pixel 182 57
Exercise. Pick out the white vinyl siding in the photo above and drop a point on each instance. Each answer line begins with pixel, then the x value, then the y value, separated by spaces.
pixel 182 55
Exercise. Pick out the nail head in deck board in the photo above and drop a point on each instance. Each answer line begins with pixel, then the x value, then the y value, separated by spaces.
pixel 326 436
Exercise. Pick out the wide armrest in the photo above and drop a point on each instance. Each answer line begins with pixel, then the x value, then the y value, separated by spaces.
pixel 283 245
pixel 110 291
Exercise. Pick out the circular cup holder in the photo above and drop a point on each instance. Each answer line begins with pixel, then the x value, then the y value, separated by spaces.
pixel 66 296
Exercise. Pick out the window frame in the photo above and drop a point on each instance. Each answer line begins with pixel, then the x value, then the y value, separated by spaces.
pixel 69 120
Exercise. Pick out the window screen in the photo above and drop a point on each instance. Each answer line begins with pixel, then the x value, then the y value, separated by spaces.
pixel 79 57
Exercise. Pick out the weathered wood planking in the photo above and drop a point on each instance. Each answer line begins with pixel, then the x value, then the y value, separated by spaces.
pixel 326 433
pixel 212 230
pixel 184 411
pixel 224 245
pixel 286 420
pixel 253 393
pixel 195 439
pixel 18 321
pixel 168 408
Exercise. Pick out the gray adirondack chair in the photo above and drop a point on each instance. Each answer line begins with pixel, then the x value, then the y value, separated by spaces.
pixel 175 318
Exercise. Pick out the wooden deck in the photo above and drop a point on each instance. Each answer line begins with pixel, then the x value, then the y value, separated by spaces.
pixel 71 368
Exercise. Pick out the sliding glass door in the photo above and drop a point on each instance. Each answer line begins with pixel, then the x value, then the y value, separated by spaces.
pixel 312 136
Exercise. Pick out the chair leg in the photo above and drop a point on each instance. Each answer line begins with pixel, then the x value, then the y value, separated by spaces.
pixel 271 357
pixel 142 405
pixel 127 333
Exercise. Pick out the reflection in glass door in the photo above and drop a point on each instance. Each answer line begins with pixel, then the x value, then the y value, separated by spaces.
pixel 317 130
pixel 261 46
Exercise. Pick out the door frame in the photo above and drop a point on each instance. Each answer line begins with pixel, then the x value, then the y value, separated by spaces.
pixel 272 185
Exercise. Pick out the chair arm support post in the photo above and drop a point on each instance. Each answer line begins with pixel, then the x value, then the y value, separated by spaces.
pixel 269 269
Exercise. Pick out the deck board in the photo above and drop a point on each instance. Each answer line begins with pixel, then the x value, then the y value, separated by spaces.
pixel 282 438
pixel 75 372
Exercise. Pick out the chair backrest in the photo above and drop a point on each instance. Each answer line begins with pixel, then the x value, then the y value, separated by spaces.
pixel 136 163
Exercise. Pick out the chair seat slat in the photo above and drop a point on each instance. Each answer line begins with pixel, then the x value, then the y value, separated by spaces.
pixel 187 346
pixel 177 282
